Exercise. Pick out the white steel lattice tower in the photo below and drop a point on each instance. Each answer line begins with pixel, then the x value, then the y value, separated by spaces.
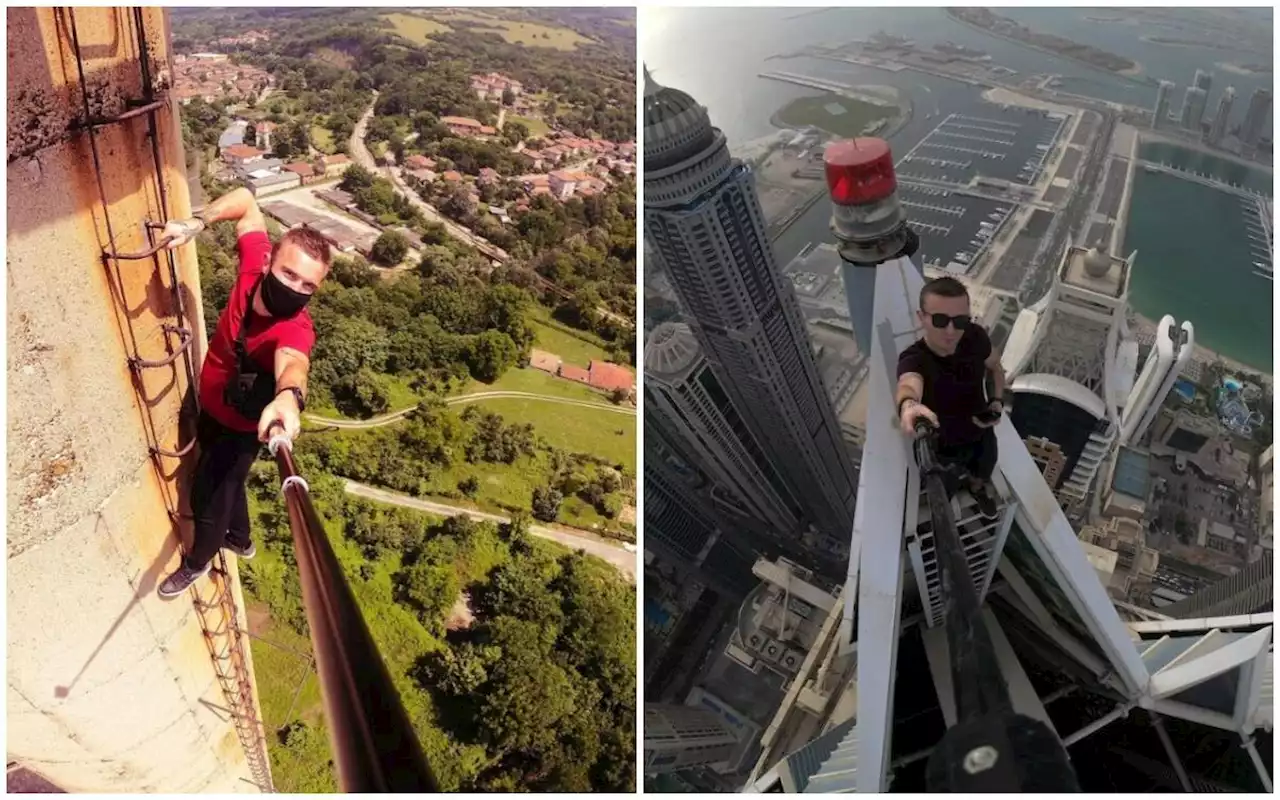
pixel 703 222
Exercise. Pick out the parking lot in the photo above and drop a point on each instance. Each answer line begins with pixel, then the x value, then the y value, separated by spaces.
pixel 1004 143
pixel 1020 252
pixel 953 227
pixel 1113 187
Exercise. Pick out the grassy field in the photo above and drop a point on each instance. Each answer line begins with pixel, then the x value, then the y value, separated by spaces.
pixel 322 138
pixel 536 126
pixel 572 428
pixel 537 382
pixel 504 487
pixel 573 346
pixel 415 28
pixel 400 637
pixel 530 34
pixel 849 119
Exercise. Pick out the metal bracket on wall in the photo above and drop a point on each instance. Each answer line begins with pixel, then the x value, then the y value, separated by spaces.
pixel 138 364
pixel 139 108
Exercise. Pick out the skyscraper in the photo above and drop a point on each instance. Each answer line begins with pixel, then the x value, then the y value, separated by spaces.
pixel 1219 130
pixel 1193 104
pixel 704 224
pixel 678 737
pixel 681 389
pixel 1160 115
pixel 1062 365
pixel 675 516
pixel 1203 80
pixel 1255 119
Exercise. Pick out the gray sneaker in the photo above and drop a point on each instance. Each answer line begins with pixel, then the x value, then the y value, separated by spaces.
pixel 245 551
pixel 180 580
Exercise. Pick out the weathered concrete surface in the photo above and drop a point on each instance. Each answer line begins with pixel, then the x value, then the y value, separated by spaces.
pixel 109 688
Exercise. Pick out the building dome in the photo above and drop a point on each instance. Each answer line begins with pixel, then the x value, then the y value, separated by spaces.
pixel 676 127
pixel 1096 263
pixel 671 350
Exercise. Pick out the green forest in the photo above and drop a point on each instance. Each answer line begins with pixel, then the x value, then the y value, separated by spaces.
pixel 514 657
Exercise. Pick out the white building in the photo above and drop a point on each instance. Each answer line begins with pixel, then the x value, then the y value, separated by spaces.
pixel 679 736
pixel 1160 115
pixel 1222 116
pixel 1071 364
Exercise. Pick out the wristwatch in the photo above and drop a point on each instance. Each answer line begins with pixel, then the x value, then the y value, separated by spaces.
pixel 297 395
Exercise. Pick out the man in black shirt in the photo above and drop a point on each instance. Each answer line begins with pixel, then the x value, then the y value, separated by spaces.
pixel 942 378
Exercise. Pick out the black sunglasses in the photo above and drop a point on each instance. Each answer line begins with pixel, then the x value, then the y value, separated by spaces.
pixel 940 321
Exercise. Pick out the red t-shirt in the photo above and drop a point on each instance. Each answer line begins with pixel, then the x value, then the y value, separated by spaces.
pixel 264 337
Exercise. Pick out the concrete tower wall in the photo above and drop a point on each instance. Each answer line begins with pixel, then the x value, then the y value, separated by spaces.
pixel 109 688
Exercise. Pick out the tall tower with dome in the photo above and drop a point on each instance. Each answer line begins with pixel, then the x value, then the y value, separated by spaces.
pixel 704 228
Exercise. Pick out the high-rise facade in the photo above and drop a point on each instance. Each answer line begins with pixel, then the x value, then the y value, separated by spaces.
pixel 1193 104
pixel 1160 114
pixel 703 221
pixel 1203 80
pixel 1218 131
pixel 678 737
pixel 682 390
pixel 1255 119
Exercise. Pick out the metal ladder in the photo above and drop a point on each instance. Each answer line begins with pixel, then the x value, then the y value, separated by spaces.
pixel 981 539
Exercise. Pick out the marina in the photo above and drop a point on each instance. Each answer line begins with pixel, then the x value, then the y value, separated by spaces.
pixel 1258 225
pixel 1005 143
pixel 1202 178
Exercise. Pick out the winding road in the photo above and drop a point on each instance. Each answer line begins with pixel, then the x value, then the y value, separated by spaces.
pixel 475 397
pixel 616 553
pixel 365 159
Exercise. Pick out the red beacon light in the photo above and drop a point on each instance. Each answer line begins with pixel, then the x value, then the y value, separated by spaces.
pixel 865 214
pixel 859 171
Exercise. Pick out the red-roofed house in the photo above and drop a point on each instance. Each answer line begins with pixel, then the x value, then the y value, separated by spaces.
pixel 572 373
pixel 462 126
pixel 239 154
pixel 452 176
pixel 334 165
pixel 547 362
pixel 562 183
pixel 305 172
pixel 533 158
pixel 419 162
pixel 604 375
pixel 488 130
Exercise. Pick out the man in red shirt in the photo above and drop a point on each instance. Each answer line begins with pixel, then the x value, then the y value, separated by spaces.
pixel 254 375
pixel 942 378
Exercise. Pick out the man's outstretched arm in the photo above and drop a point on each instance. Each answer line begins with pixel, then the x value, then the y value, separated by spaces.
pixel 239 205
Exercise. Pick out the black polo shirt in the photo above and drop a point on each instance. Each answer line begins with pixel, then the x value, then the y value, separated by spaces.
pixel 954 385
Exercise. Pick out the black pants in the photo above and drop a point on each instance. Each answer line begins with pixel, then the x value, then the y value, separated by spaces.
pixel 218 499
pixel 979 458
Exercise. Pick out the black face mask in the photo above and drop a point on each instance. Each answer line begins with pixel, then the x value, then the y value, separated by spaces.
pixel 280 300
